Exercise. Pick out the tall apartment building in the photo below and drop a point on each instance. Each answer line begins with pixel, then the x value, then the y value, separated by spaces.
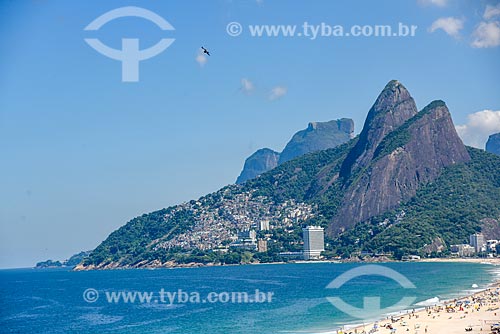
pixel 314 242
pixel 477 241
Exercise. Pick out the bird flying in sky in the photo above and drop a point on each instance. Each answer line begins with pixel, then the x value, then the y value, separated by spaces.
pixel 205 51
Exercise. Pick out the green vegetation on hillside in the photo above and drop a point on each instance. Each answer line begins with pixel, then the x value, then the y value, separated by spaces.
pixel 331 188
pixel 129 243
pixel 295 179
pixel 449 208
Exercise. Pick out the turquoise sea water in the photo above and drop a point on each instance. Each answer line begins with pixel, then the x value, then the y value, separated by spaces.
pixel 51 300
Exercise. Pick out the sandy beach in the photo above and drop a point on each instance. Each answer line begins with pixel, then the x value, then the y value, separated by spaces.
pixel 475 313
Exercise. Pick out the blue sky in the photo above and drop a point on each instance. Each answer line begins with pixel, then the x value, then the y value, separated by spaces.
pixel 82 152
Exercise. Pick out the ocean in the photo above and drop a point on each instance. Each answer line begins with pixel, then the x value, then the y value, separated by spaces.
pixel 275 298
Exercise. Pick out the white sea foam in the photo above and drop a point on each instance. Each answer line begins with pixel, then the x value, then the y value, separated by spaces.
pixel 429 302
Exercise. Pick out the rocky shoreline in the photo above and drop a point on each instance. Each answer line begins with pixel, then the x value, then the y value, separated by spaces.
pixel 171 264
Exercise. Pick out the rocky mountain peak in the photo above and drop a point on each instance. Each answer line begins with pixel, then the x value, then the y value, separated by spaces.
pixel 316 137
pixel 260 162
pixel 493 144
pixel 408 157
pixel 393 107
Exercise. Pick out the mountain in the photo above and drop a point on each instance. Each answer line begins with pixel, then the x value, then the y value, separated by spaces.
pixel 48 264
pixel 405 185
pixel 493 144
pixel 71 262
pixel 260 162
pixel 76 259
pixel 398 150
pixel 316 137
pixel 393 107
pixel 462 200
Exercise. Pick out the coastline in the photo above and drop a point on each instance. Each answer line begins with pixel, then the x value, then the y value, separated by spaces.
pixel 493 261
pixel 322 320
pixel 476 311
pixel 173 265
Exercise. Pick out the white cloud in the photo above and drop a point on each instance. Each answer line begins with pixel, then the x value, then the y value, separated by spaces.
pixel 491 11
pixel 439 3
pixel 201 59
pixel 449 25
pixel 486 35
pixel 479 126
pixel 277 92
pixel 247 86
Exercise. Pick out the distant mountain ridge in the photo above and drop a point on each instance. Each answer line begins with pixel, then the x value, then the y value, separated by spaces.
pixel 316 137
pixel 405 185
pixel 260 162
pixel 73 261
pixel 493 144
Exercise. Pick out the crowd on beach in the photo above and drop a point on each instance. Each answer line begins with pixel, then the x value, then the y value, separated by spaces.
pixel 477 313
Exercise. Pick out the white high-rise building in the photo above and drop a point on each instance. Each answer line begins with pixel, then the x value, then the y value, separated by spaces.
pixel 264 225
pixel 477 241
pixel 314 242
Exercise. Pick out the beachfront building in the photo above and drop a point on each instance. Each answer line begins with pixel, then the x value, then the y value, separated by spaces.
pixel 291 255
pixel 247 236
pixel 247 240
pixel 478 242
pixel 462 250
pixel 262 245
pixel 491 245
pixel 314 242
